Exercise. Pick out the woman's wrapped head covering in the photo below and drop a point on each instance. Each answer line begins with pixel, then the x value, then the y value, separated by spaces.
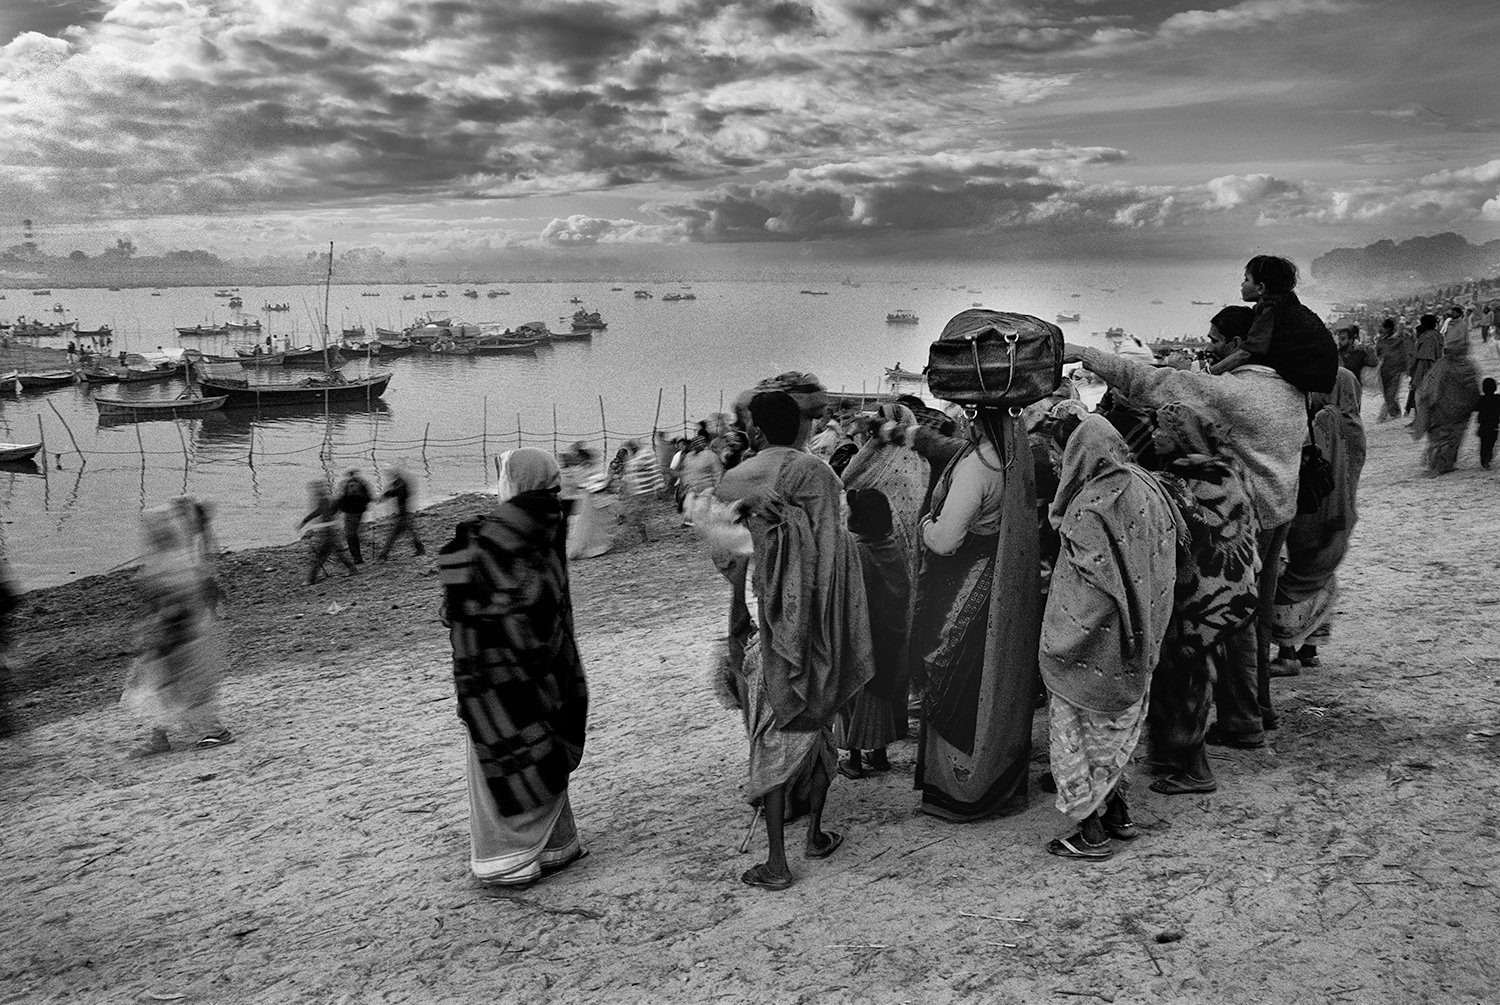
pixel 527 469
pixel 1092 450
pixel 1190 427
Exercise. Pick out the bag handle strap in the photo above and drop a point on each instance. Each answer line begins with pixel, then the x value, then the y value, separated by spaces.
pixel 1011 339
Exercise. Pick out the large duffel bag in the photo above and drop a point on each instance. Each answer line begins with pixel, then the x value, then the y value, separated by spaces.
pixel 994 359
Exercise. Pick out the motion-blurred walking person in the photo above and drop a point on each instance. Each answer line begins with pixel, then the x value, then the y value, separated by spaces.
pixel 398 490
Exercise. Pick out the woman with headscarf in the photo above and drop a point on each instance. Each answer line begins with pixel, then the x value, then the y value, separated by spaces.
pixel 976 623
pixel 521 690
pixel 1317 542
pixel 1106 616
pixel 174 683
pixel 1217 590
pixel 1445 400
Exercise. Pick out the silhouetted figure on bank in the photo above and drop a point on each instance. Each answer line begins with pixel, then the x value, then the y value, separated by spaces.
pixel 354 499
pixel 398 490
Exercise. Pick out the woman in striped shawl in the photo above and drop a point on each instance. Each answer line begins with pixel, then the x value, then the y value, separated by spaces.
pixel 521 689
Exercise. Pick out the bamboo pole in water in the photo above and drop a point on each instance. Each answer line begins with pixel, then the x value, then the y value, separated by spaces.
pixel 82 459
pixel 656 420
pixel 604 426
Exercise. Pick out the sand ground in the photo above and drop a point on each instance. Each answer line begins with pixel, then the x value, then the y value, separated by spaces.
pixel 323 857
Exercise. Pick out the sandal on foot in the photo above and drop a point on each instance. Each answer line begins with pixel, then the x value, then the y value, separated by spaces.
pixel 1126 831
pixel 759 875
pixel 216 739
pixel 1183 785
pixel 848 770
pixel 835 838
pixel 1074 846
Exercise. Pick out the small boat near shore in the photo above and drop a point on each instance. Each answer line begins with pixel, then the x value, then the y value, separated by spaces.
pixel 44 379
pixel 37 329
pixel 190 403
pixel 11 452
pixel 896 375
pixel 203 331
pixel 1071 318
pixel 901 318
pixel 320 389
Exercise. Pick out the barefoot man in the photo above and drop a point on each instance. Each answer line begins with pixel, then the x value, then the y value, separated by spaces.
pixel 814 631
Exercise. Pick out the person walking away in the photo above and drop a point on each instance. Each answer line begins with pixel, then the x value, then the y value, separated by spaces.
pixel 173 684
pixel 1428 350
pixel 1354 355
pixel 521 690
pixel 1269 422
pixel 1217 591
pixel 877 715
pixel 1106 615
pixel 321 525
pixel 1390 351
pixel 354 499
pixel 1489 421
pixel 642 479
pixel 1316 543
pixel 589 520
pixel 1446 399
pixel 812 652
pixel 398 490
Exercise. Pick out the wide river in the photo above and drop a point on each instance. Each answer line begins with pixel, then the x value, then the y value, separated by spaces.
pixel 659 362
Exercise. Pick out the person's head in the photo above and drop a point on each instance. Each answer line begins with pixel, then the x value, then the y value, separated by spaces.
pixel 527 469
pixel 842 455
pixel 1266 275
pixel 1426 322
pixel 1487 385
pixel 1186 427
pixel 1227 328
pixel 776 416
pixel 1388 325
pixel 1455 311
pixel 869 513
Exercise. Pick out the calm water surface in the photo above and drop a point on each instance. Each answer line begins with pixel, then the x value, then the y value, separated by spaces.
pixel 657 361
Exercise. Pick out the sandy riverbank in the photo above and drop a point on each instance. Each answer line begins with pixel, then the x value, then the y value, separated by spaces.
pixel 322 858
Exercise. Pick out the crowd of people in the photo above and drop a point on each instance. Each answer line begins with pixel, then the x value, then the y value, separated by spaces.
pixel 1138 573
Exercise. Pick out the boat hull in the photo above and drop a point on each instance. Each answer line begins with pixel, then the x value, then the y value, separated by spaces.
pixel 18 451
pixel 121 408
pixel 252 395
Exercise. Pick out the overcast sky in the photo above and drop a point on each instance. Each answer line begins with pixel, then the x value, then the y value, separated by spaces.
pixel 437 127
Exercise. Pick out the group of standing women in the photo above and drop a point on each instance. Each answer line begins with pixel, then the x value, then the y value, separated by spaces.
pixel 1127 602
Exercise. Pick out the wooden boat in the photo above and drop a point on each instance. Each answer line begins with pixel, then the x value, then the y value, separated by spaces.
pixel 674 297
pixel 901 318
pixel 245 325
pixel 814 293
pixel 311 356
pixel 275 307
pixel 390 333
pixel 317 390
pixel 450 347
pixel 10 452
pixel 896 375
pixel 357 332
pixel 583 320
pixel 203 331
pixel 578 335
pixel 505 347
pixel 104 332
pixel 1064 319
pixel 1167 346
pixel 40 330
pixel 1202 303
pixel 249 359
pixel 188 404
pixel 46 378
pixel 98 375
pixel 643 294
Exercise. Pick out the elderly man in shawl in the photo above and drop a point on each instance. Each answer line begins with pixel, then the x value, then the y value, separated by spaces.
pixel 1446 398
pixel 1217 590
pixel 521 691
pixel 1317 542
pixel 1102 630
pixel 814 652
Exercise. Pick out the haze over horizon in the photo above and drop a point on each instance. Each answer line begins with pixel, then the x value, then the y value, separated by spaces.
pixel 579 133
